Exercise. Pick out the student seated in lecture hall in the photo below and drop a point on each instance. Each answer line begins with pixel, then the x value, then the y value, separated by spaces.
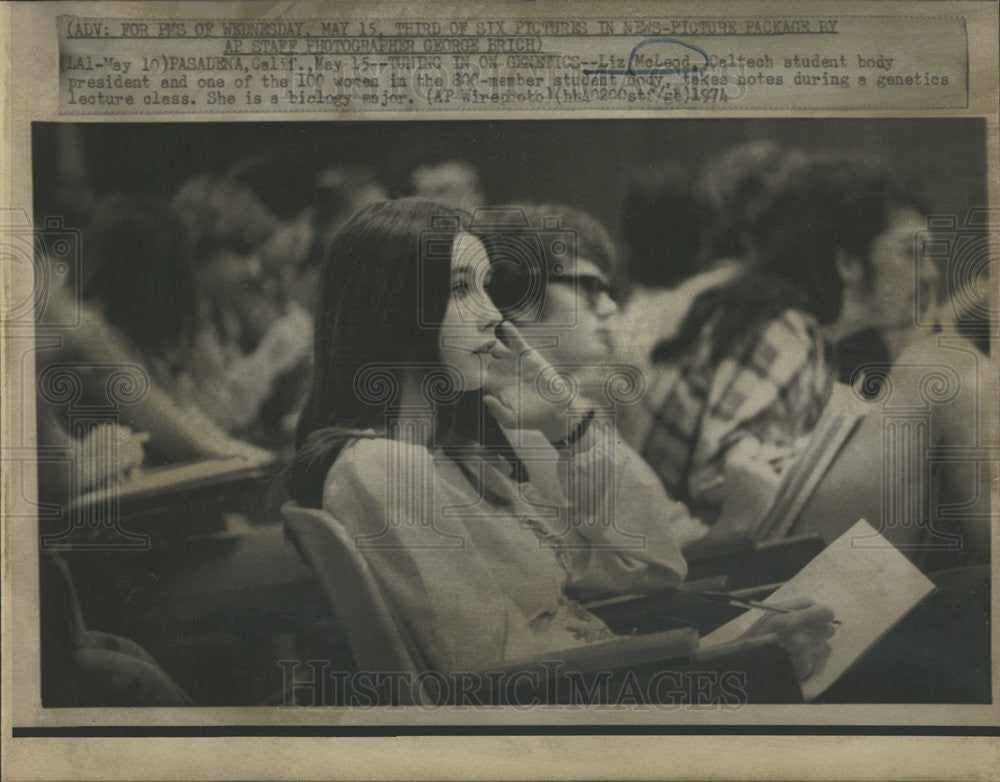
pixel 138 308
pixel 832 255
pixel 501 595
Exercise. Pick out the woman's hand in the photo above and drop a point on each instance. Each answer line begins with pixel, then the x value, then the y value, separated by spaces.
pixel 803 632
pixel 523 391
pixel 248 452
pixel 109 453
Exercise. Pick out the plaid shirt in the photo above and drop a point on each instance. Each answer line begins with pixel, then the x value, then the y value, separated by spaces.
pixel 773 389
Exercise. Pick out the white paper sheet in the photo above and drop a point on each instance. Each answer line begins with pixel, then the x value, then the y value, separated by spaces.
pixel 869 584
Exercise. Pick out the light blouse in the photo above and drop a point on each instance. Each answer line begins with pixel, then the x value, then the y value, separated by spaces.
pixel 477 565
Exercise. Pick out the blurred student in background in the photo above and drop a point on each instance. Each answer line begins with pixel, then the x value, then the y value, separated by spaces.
pixel 252 332
pixel 685 237
pixel 140 306
pixel 831 255
pixel 566 307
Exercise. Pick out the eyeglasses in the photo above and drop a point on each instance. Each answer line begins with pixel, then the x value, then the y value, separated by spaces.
pixel 591 285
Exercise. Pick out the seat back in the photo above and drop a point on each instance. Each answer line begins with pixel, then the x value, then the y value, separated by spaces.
pixel 83 668
pixel 377 639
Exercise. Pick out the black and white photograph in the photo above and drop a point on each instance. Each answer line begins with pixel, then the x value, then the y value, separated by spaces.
pixel 501 415
pixel 517 390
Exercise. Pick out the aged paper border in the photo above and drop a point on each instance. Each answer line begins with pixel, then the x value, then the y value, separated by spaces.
pixel 30 93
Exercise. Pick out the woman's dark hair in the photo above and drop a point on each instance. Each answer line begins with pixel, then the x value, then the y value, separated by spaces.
pixel 820 207
pixel 525 255
pixel 662 226
pixel 384 289
pixel 138 263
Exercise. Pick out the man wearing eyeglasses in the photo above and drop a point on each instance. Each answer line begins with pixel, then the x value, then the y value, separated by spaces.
pixel 564 302
pixel 554 282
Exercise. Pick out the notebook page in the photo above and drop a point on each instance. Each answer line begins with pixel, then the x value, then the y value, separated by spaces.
pixel 869 584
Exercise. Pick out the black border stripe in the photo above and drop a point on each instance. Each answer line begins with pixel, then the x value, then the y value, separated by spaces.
pixel 226 731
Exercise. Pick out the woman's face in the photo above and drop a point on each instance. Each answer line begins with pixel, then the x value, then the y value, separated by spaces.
pixel 467 338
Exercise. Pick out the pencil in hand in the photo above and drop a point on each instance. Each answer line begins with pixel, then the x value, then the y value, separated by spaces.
pixel 739 602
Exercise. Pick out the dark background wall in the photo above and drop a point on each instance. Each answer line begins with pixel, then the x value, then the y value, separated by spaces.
pixel 584 162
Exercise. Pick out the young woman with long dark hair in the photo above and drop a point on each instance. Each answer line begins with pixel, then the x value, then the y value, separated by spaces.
pixel 414 368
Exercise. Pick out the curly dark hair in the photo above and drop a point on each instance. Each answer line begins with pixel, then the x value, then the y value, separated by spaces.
pixel 822 206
